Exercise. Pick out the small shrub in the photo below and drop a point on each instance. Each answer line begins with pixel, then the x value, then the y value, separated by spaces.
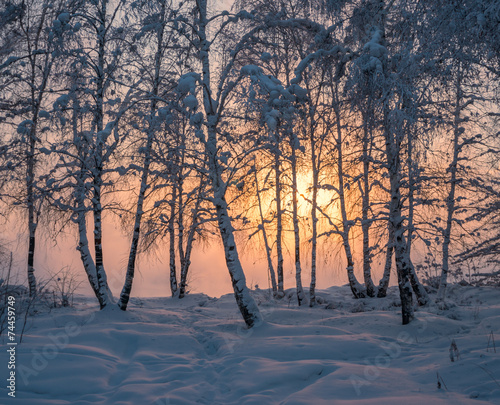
pixel 63 285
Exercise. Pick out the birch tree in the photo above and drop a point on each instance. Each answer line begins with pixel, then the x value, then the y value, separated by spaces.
pixel 470 139
pixel 262 228
pixel 213 104
pixel 37 31
pixel 95 108
pixel 154 32
pixel 392 119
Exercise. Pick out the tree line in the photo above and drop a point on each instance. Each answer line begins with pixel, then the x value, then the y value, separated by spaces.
pixel 188 120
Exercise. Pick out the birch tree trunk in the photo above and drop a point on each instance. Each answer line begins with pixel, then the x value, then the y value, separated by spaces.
pixel 365 222
pixel 356 288
pixel 295 217
pixel 418 288
pixel 32 224
pixel 384 281
pixel 314 219
pixel 393 151
pixel 180 218
pixel 264 235
pixel 450 200
pixel 79 194
pixel 99 283
pixel 171 232
pixel 38 89
pixel 396 223
pixel 186 262
pixel 129 277
pixel 83 242
pixel 186 259
pixel 246 303
pixel 97 172
pixel 244 300
pixel 279 220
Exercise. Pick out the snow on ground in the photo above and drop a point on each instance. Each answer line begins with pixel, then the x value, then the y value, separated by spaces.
pixel 197 351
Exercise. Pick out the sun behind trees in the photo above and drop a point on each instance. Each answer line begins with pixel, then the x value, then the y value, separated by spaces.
pixel 303 124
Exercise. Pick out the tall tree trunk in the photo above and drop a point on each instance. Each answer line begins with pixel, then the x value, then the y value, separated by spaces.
pixel 129 277
pixel 99 284
pixel 171 232
pixel 384 281
pixel 180 218
pixel 418 288
pixel 97 172
pixel 393 155
pixel 295 216
pixel 396 223
pixel 416 285
pixel 365 222
pixel 98 165
pixel 186 262
pixel 86 257
pixel 279 221
pixel 83 242
pixel 180 204
pixel 356 288
pixel 32 224
pixel 246 304
pixel 450 200
pixel 314 218
pixel 37 91
pixel 102 282
pixel 80 195
pixel 264 235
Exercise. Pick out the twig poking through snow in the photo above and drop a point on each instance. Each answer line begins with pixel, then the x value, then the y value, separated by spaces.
pixel 491 338
pixel 454 353
pixel 440 381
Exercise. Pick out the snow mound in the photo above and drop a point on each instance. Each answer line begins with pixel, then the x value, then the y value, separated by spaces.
pixel 198 351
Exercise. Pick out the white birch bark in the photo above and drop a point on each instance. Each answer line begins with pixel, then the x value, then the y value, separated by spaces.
pixel 393 158
pixel 180 218
pixel 356 288
pixel 171 232
pixel 365 222
pixel 246 303
pixel 81 210
pixel 244 300
pixel 129 276
pixel 314 217
pixel 264 234
pixel 97 171
pixel 396 223
pixel 39 74
pixel 386 276
pixel 295 218
pixel 83 242
pixel 418 288
pixel 450 199
pixel 279 218
pixel 32 223
pixel 186 258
